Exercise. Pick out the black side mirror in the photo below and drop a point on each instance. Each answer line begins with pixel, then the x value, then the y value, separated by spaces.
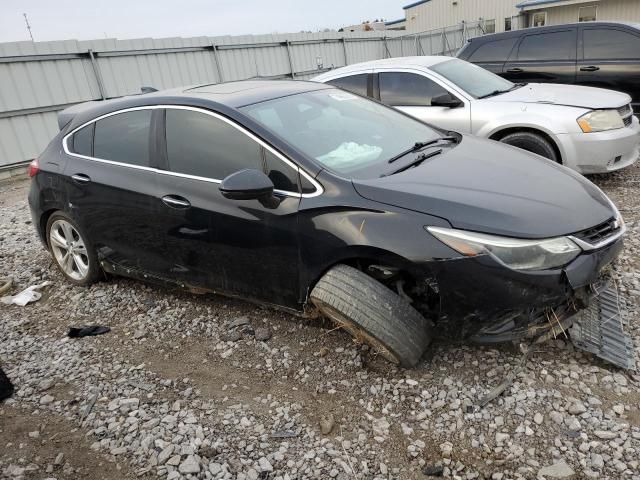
pixel 446 100
pixel 247 185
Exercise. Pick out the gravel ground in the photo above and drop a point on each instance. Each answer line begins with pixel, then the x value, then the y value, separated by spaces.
pixel 201 386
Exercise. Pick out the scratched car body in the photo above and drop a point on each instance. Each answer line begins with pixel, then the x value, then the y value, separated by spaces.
pixel 303 196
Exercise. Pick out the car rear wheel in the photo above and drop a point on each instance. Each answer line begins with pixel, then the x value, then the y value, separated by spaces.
pixel 532 142
pixel 71 250
pixel 373 314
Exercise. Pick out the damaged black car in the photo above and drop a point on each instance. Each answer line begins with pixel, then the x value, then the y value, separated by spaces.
pixel 313 199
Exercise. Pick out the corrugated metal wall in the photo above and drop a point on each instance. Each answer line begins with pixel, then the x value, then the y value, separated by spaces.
pixel 610 10
pixel 39 79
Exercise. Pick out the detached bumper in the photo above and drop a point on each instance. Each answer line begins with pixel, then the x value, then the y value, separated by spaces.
pixel 601 152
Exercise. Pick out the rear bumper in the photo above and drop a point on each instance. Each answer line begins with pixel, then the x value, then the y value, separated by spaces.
pixel 601 152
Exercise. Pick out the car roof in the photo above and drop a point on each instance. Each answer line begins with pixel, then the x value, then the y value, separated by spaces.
pixel 529 30
pixel 396 62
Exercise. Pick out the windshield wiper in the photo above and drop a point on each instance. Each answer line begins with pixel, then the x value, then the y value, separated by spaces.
pixel 418 160
pixel 420 145
pixel 499 92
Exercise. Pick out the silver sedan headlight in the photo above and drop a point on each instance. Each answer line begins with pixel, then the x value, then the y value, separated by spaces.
pixel 515 253
pixel 600 120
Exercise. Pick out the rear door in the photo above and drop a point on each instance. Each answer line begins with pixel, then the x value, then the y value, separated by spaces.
pixel 544 57
pixel 609 57
pixel 359 83
pixel 242 247
pixel 111 187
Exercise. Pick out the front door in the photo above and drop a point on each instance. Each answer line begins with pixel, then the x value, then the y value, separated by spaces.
pixel 240 247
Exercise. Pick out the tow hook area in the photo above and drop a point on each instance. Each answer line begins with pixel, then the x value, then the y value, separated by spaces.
pixel 598 329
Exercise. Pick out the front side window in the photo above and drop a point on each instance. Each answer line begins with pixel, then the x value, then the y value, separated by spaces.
pixel 205 146
pixel 548 46
pixel 345 133
pixel 83 141
pixel 587 14
pixel 496 51
pixel 471 78
pixel 354 83
pixel 408 89
pixel 123 137
pixel 607 43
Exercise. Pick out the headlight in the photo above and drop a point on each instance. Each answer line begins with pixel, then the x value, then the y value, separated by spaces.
pixel 513 252
pixel 600 120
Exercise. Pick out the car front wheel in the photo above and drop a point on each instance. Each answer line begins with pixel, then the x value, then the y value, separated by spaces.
pixel 71 250
pixel 532 142
pixel 373 314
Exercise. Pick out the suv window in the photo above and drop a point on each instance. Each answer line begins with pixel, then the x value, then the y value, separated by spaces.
pixel 608 43
pixel 495 51
pixel 205 146
pixel 548 46
pixel 123 137
pixel 83 141
pixel 354 83
pixel 408 89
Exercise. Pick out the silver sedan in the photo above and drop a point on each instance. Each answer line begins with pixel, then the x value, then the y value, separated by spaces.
pixel 590 130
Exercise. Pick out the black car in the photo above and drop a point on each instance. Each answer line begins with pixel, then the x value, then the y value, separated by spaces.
pixel 304 196
pixel 597 54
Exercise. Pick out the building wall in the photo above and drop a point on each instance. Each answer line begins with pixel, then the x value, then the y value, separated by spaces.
pixel 613 10
pixel 442 13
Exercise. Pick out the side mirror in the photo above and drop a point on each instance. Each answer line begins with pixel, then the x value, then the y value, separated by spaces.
pixel 446 100
pixel 247 185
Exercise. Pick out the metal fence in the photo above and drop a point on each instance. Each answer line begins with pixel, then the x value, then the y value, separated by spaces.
pixel 39 79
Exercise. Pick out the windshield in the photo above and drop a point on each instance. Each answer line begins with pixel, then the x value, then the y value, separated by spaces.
pixel 348 134
pixel 471 78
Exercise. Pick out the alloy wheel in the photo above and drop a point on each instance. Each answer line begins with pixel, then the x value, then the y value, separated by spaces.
pixel 69 249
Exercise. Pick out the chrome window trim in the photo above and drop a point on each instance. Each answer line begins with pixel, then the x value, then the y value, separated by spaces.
pixel 319 189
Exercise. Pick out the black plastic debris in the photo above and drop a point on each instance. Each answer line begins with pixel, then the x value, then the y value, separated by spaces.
pixel 6 387
pixel 599 330
pixel 433 470
pixel 87 331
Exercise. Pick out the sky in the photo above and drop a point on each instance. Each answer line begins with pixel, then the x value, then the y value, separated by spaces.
pixel 84 20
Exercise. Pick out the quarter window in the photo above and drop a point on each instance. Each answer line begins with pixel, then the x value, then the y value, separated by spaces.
pixel 496 51
pixel 205 146
pixel 548 46
pixel 408 89
pixel 123 137
pixel 83 141
pixel 606 43
pixel 354 83
pixel 282 175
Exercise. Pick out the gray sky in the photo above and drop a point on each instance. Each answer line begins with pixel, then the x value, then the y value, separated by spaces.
pixel 83 20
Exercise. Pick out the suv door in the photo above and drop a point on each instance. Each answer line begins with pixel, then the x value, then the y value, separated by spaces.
pixel 609 57
pixel 111 188
pixel 240 247
pixel 412 92
pixel 544 57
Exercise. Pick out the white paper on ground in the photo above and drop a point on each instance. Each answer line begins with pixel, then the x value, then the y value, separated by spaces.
pixel 28 295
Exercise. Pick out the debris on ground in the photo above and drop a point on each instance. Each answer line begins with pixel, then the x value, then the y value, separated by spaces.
pixel 28 295
pixel 6 387
pixel 87 331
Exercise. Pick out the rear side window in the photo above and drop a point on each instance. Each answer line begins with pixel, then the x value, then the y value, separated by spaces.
pixel 205 146
pixel 83 141
pixel 548 46
pixel 408 89
pixel 608 43
pixel 496 51
pixel 354 83
pixel 123 137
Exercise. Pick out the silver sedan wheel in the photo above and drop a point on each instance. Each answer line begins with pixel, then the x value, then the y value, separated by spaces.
pixel 69 249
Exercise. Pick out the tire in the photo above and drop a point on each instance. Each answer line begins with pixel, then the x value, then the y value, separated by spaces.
pixel 82 266
pixel 371 312
pixel 532 142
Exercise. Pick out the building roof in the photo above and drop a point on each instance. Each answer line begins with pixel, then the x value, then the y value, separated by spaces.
pixel 393 22
pixel 415 4
pixel 535 3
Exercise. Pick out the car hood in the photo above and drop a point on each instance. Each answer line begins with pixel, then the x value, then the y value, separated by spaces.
pixel 489 187
pixel 570 95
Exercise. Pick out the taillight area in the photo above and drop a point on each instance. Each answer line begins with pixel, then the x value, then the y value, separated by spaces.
pixel 34 167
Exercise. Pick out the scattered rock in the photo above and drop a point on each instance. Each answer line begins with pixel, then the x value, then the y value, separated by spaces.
pixel 558 470
pixel 326 424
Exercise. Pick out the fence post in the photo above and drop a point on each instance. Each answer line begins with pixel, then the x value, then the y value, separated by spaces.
pixel 387 52
pixel 293 73
pixel 217 62
pixel 344 48
pixel 96 72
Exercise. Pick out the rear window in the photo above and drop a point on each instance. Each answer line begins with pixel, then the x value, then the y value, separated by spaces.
pixel 123 137
pixel 608 43
pixel 548 46
pixel 495 51
pixel 354 83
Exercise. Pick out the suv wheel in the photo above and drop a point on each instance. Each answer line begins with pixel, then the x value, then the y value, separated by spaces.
pixel 532 142
pixel 372 313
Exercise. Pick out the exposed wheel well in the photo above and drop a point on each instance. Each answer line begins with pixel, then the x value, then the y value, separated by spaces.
pixel 499 135
pixel 44 218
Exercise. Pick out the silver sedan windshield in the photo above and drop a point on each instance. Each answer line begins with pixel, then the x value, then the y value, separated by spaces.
pixel 471 78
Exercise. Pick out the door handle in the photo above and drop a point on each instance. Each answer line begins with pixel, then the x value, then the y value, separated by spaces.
pixel 590 68
pixel 174 201
pixel 80 178
pixel 515 70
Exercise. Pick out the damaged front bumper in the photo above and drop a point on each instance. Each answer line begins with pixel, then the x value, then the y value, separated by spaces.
pixel 483 301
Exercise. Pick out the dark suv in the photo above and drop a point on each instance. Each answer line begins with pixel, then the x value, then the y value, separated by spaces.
pixel 598 54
